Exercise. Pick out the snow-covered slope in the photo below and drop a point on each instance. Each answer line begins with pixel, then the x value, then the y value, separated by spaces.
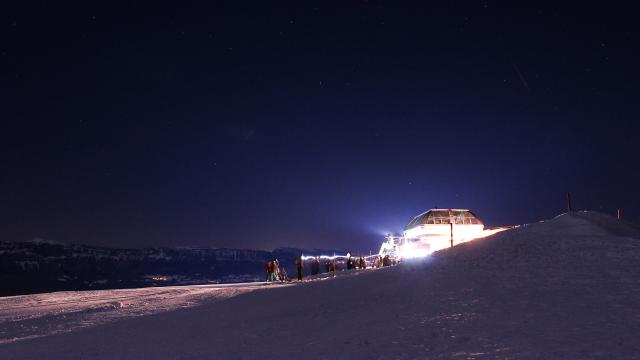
pixel 567 288
pixel 30 316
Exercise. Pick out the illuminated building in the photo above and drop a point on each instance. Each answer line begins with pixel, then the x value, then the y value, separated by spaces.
pixel 434 230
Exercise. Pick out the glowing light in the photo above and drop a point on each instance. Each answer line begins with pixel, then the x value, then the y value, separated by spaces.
pixel 425 244
pixel 411 252
pixel 330 257
pixel 435 230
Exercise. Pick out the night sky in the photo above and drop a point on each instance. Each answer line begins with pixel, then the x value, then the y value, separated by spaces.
pixel 304 125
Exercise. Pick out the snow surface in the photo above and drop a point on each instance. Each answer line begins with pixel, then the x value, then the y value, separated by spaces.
pixel 567 288
pixel 30 316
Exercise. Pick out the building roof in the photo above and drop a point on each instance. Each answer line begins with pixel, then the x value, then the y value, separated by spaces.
pixel 444 216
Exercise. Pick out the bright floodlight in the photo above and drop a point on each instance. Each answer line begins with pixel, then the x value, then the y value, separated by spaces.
pixel 434 230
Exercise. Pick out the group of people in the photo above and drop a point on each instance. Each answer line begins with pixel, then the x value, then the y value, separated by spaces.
pixel 315 266
pixel 276 273
pixel 380 261
pixel 358 263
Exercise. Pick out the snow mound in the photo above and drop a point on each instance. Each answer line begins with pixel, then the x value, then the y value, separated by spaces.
pixel 569 243
pixel 608 223
pixel 110 306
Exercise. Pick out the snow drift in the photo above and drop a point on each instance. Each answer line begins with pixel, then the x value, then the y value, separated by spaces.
pixel 564 288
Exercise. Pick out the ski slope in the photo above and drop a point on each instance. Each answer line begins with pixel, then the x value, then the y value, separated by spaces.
pixel 567 288
pixel 30 316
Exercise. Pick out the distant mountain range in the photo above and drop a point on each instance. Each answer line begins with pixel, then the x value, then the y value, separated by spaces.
pixel 45 266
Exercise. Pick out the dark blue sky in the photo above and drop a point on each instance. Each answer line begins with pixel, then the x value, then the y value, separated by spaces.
pixel 310 126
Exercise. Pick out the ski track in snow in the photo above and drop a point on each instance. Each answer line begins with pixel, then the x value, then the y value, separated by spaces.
pixel 30 316
pixel 568 288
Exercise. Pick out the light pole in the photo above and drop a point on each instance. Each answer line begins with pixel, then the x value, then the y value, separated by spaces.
pixel 451 230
